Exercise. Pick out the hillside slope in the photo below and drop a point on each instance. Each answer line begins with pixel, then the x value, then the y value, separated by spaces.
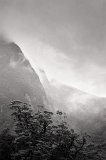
pixel 18 80
pixel 85 111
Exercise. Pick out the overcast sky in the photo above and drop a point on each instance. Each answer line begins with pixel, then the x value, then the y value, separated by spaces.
pixel 66 38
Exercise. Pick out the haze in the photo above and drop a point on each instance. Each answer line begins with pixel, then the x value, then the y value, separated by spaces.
pixel 66 38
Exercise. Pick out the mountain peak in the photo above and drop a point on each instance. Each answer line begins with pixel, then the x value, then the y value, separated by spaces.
pixel 17 77
pixel 14 47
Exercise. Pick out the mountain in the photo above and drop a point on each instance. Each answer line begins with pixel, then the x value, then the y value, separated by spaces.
pixel 85 111
pixel 18 80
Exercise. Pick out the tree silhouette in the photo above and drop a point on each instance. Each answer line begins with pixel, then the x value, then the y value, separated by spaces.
pixel 43 135
pixel 39 137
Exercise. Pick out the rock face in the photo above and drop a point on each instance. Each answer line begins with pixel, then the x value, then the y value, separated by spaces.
pixel 84 110
pixel 18 80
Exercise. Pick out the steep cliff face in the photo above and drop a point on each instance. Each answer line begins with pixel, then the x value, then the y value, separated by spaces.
pixel 18 80
pixel 85 111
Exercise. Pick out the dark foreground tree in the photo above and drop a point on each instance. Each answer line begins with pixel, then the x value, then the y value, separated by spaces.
pixel 42 135
pixel 6 145
pixel 39 137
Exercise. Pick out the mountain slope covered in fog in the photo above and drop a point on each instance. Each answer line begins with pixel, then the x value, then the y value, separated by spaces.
pixel 18 80
pixel 86 111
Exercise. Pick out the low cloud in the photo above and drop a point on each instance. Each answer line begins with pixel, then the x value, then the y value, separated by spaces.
pixel 65 38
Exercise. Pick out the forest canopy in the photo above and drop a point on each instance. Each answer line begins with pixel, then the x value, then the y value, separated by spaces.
pixel 43 135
